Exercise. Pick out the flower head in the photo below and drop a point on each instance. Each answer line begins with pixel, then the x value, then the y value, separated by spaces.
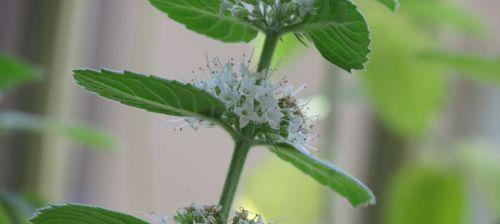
pixel 252 99
pixel 270 14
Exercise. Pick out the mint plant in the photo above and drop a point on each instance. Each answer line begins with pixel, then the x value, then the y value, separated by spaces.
pixel 251 108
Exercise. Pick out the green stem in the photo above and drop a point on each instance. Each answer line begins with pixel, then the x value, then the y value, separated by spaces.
pixel 244 142
pixel 268 51
pixel 233 176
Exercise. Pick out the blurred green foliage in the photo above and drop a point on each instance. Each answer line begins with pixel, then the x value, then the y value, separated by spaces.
pixel 427 194
pixel 407 80
pixel 479 164
pixel 17 208
pixel 475 67
pixel 439 189
pixel 3 215
pixel 406 92
pixel 282 194
pixel 428 14
pixel 14 72
pixel 11 121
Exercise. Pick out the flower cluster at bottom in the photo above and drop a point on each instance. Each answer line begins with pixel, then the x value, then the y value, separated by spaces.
pixel 210 214
pixel 252 99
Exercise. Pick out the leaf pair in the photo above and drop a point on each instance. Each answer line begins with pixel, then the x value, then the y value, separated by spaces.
pixel 179 99
pixel 338 30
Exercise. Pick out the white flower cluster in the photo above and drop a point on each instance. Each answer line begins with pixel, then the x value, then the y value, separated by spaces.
pixel 270 14
pixel 252 98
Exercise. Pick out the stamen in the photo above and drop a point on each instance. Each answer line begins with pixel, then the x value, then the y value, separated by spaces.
pixel 303 86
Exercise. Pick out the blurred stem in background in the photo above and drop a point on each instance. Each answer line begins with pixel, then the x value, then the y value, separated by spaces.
pixel 387 154
pixel 32 39
pixel 23 132
pixel 330 92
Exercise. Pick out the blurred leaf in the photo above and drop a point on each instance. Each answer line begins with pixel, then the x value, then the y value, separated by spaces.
pixel 152 93
pixel 4 219
pixel 288 49
pixel 426 195
pixel 16 207
pixel 340 33
pixel 204 16
pixel 327 174
pixel 433 13
pixel 288 195
pixel 392 4
pixel 480 164
pixel 34 199
pixel 82 134
pixel 477 67
pixel 82 214
pixel 406 92
pixel 14 72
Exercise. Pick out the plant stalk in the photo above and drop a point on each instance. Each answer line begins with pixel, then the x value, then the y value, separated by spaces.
pixel 268 51
pixel 243 144
pixel 233 176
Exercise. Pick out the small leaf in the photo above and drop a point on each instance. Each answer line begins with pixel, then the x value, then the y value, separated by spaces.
pixel 151 93
pixel 14 72
pixel 340 33
pixel 392 4
pixel 327 174
pixel 79 133
pixel 82 214
pixel 203 16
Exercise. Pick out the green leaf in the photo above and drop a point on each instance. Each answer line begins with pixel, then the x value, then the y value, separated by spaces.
pixel 392 4
pixel 340 33
pixel 475 66
pixel 151 93
pixel 427 195
pixel 27 122
pixel 82 214
pixel 14 72
pixel 327 174
pixel 203 16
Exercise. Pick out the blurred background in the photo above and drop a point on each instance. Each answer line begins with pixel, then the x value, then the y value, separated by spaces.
pixel 420 126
